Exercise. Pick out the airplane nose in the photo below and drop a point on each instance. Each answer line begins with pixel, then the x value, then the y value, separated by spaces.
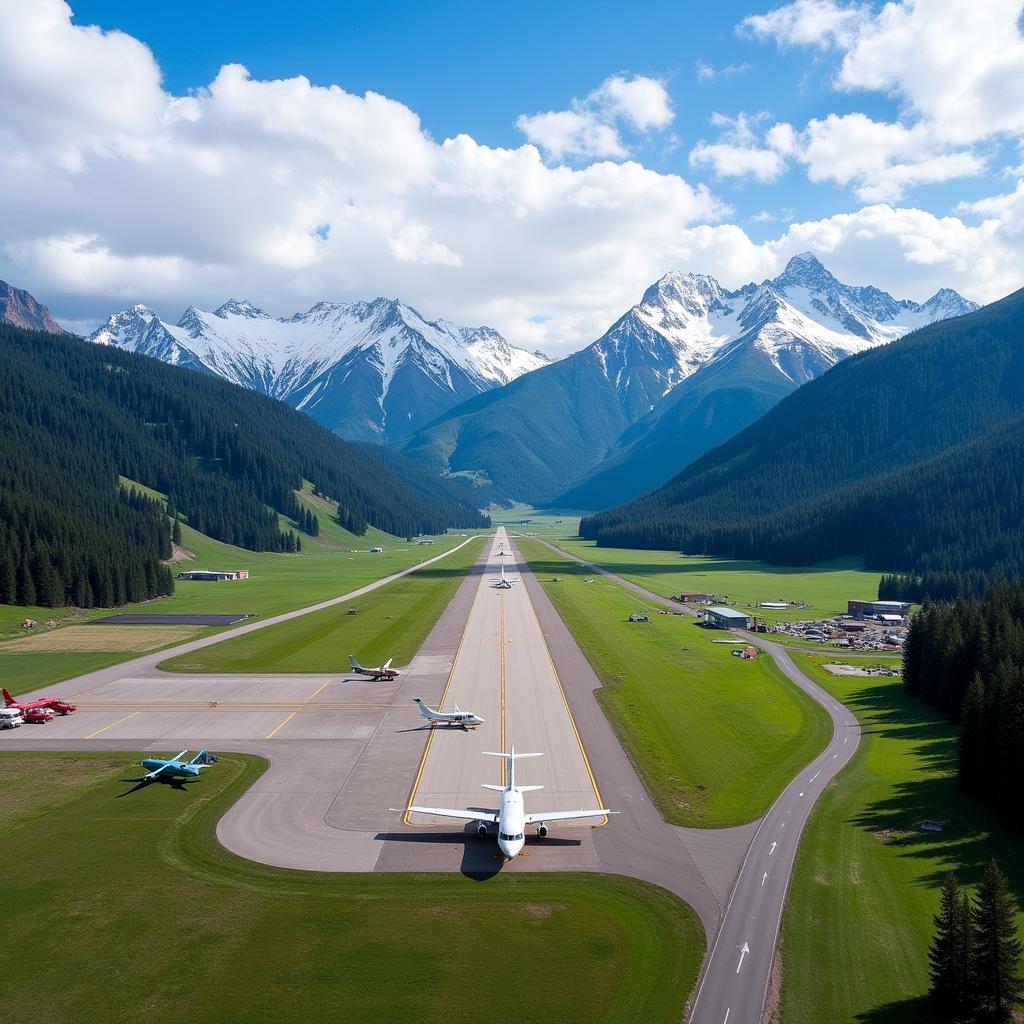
pixel 505 849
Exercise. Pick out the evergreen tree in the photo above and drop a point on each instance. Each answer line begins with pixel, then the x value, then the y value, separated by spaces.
pixel 176 532
pixel 995 962
pixel 949 956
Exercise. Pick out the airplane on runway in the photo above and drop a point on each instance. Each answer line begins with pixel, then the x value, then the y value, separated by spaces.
pixel 456 717
pixel 384 672
pixel 175 767
pixel 505 582
pixel 52 704
pixel 510 817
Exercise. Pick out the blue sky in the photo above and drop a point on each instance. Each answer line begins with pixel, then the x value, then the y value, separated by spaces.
pixel 599 146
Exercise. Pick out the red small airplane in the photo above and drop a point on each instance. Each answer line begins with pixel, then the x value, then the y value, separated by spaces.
pixel 52 704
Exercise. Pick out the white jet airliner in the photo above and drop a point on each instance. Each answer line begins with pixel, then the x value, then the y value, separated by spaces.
pixel 505 582
pixel 510 816
pixel 456 717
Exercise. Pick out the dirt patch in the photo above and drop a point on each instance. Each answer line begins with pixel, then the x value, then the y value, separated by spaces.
pixel 539 910
pixel 86 638
pixel 180 554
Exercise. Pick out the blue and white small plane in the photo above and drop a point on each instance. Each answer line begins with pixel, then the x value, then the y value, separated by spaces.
pixel 465 719
pixel 175 767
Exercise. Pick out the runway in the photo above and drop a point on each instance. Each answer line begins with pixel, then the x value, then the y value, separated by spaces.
pixel 504 674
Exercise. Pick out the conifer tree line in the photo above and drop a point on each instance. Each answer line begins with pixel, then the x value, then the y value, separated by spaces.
pixel 966 659
pixel 974 958
pixel 75 416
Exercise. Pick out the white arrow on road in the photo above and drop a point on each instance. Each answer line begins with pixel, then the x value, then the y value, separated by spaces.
pixel 772 850
pixel 743 952
pixel 765 879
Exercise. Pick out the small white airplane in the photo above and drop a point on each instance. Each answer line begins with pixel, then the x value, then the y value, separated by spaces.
pixel 504 582
pixel 510 817
pixel 456 717
pixel 384 672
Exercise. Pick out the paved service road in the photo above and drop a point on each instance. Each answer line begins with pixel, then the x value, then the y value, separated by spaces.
pixel 734 983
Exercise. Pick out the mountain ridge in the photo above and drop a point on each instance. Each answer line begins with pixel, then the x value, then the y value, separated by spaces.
pixel 369 370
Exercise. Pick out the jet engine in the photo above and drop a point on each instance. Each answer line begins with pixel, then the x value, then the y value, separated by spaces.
pixel 542 830
pixel 481 829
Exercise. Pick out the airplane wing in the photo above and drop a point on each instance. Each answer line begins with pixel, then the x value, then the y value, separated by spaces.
pixel 154 774
pixel 532 819
pixel 446 812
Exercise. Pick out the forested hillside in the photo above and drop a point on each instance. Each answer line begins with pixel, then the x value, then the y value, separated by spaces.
pixel 967 660
pixel 75 416
pixel 910 455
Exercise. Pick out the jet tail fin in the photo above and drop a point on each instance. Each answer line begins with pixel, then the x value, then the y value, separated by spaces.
pixel 203 758
pixel 8 699
pixel 354 662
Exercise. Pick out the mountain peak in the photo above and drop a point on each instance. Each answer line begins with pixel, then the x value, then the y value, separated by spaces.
pixel 19 308
pixel 236 307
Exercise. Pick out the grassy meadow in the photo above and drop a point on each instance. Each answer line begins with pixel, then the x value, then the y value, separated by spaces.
pixel 333 563
pixel 152 915
pixel 391 622
pixel 715 738
pixel 867 879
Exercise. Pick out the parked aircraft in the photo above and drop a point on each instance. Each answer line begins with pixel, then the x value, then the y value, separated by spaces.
pixel 384 672
pixel 175 767
pixel 504 582
pixel 510 817
pixel 456 717
pixel 54 704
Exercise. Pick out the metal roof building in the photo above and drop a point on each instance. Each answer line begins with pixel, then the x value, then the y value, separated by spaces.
pixel 727 618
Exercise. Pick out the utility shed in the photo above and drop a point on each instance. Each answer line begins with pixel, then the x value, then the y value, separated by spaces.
pixel 726 618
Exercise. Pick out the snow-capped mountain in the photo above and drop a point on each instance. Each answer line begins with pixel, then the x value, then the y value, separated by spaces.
pixel 741 352
pixel 803 321
pixel 685 368
pixel 368 370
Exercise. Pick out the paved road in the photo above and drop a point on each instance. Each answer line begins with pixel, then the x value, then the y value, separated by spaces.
pixel 734 983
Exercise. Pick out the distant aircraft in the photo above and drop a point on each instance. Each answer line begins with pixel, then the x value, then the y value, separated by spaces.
pixel 510 817
pixel 175 767
pixel 54 704
pixel 384 672
pixel 505 582
pixel 456 717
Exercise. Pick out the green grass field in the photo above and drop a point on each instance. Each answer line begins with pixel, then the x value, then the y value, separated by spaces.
pixel 859 919
pixel 824 588
pixel 391 622
pixel 120 910
pixel 331 564
pixel 715 738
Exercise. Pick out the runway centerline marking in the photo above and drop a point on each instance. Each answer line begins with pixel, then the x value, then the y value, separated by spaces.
pixel 501 647
pixel 112 724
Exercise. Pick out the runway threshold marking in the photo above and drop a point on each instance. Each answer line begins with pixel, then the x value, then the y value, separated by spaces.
pixel 280 725
pixel 430 735
pixel 112 724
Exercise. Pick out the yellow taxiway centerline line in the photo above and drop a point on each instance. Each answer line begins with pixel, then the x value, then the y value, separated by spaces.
pixel 280 725
pixel 112 724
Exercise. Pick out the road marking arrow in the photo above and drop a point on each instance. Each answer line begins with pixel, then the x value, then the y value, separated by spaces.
pixel 765 878
pixel 743 952
pixel 772 850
